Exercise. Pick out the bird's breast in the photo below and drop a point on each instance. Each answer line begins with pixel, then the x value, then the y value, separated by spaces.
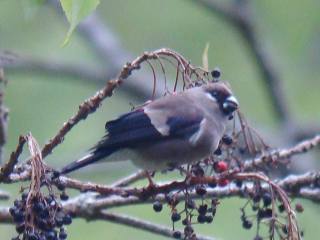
pixel 163 155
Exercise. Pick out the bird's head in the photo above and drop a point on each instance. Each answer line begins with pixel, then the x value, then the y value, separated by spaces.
pixel 221 93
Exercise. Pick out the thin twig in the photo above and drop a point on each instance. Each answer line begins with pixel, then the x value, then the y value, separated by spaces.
pixel 3 116
pixel 138 224
pixel 311 194
pixel 32 65
pixel 4 195
pixel 7 169
pixel 112 217
pixel 129 179
pixel 5 216
pixel 277 155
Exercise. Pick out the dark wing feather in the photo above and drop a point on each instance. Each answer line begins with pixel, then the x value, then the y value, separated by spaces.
pixel 128 130
pixel 183 128
pixel 131 130
pixel 135 128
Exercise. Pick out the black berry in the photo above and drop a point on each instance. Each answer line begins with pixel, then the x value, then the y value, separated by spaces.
pixel 60 186
pixel 185 222
pixel 281 208
pixel 201 218
pixel 20 228
pixel 266 199
pixel 67 220
pixel 62 235
pixel 227 140
pixel 51 235
pixel 157 206
pixel 209 219
pixel 238 183
pixel 64 196
pixel 202 210
pixel 17 203
pixel 212 184
pixel 38 207
pixel 218 151
pixel 13 211
pixel 284 229
pixel 216 73
pixel 201 190
pixel 264 213
pixel 247 224
pixel 176 234
pixel 55 174
pixel 256 198
pixel 24 196
pixel 18 217
pixel 175 217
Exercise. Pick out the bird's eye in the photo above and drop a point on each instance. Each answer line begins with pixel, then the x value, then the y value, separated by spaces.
pixel 214 93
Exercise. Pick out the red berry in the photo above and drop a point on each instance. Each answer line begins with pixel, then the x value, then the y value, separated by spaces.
pixel 223 182
pixel 299 208
pixel 220 166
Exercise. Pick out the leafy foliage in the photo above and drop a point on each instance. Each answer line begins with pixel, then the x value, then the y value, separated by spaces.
pixel 75 11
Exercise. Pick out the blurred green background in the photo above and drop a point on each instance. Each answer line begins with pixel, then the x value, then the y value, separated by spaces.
pixel 40 104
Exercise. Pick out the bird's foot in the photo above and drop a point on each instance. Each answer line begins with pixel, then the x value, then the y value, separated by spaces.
pixel 149 176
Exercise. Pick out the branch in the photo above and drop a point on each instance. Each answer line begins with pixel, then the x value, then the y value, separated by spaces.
pixel 129 179
pixel 112 217
pixel 3 117
pixel 33 65
pixel 277 155
pixel 240 16
pixel 137 223
pixel 296 186
pixel 5 216
pixel 7 169
pixel 4 195
pixel 310 194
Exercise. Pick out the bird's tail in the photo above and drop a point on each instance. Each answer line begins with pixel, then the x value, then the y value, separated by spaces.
pixel 84 161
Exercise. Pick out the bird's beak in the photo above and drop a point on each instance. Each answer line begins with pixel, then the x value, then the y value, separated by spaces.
pixel 230 105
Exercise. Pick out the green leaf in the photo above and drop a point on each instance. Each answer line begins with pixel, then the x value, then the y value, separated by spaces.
pixel 75 11
pixel 205 60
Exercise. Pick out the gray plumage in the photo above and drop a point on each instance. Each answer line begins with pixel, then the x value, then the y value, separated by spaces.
pixel 180 128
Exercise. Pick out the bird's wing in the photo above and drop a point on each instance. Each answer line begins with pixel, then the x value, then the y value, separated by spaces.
pixel 143 126
pixel 137 128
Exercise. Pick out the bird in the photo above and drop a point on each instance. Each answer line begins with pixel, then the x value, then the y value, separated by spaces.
pixel 179 128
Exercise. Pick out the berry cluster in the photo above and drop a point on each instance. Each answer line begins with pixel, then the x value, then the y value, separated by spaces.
pixel 203 213
pixel 39 217
pixel 227 159
pixel 261 204
pixel 204 210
